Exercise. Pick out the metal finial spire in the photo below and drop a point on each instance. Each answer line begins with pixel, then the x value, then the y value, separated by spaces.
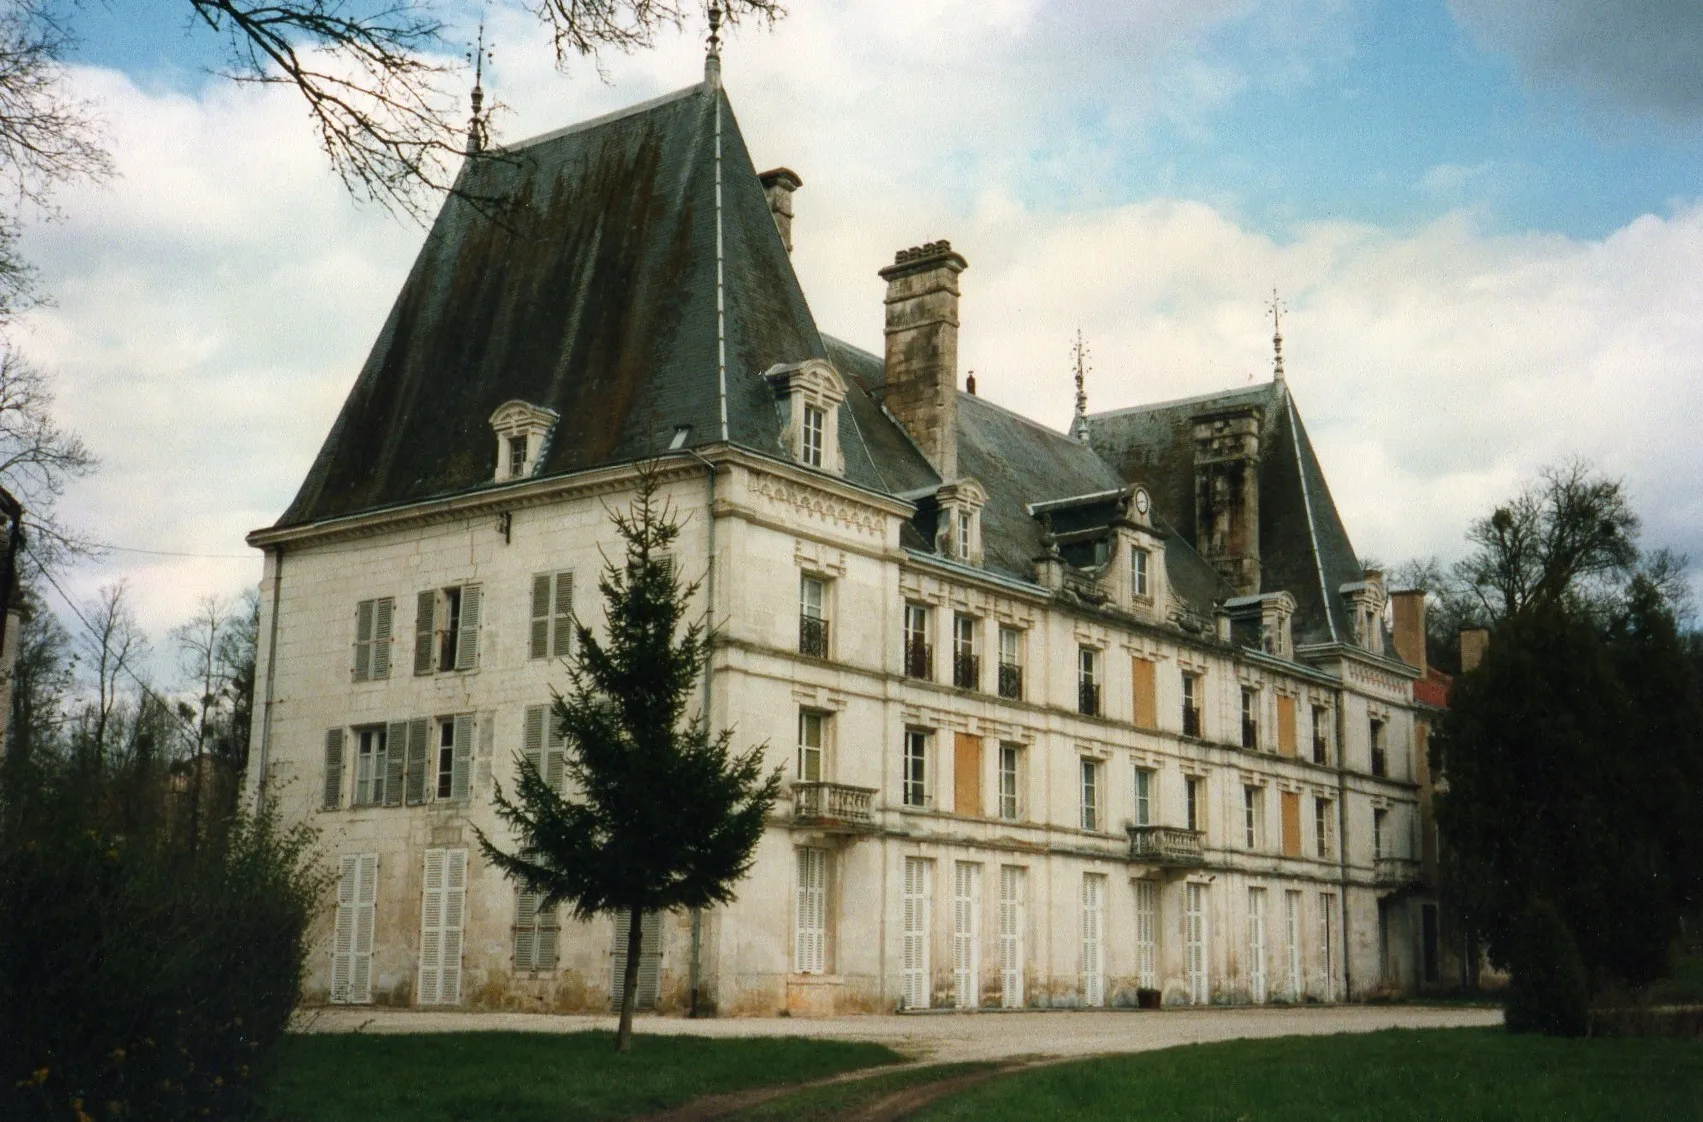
pixel 712 59
pixel 1277 309
pixel 476 123
pixel 1079 426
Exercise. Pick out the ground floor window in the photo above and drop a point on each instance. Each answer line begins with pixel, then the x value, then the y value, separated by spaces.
pixel 1256 945
pixel 1147 934
pixel 967 935
pixel 1012 921
pixel 1093 939
pixel 352 946
pixel 1194 941
pixel 914 932
pixel 810 951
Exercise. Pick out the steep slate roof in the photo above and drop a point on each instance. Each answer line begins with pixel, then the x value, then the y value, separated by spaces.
pixel 595 297
pixel 1302 540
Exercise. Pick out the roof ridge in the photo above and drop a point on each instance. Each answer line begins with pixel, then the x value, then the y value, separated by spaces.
pixel 598 122
pixel 1157 405
pixel 1012 413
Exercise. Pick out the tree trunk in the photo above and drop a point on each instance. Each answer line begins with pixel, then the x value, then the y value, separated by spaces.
pixel 630 988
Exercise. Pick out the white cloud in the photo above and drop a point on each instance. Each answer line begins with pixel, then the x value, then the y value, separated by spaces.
pixel 215 303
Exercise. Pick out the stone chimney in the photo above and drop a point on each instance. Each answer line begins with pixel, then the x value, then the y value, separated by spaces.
pixel 922 349
pixel 1227 494
pixel 1474 642
pixel 1409 608
pixel 779 185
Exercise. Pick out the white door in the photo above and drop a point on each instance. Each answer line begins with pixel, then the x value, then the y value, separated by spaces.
pixel 1012 921
pixel 1194 940
pixel 1147 934
pixel 812 919
pixel 443 903
pixel 1093 939
pixel 352 949
pixel 1292 944
pixel 1256 945
pixel 915 935
pixel 967 935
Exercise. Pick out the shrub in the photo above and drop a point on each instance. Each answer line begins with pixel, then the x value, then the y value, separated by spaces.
pixel 143 974
pixel 1548 992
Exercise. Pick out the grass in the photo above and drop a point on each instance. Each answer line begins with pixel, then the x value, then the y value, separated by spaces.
pixel 533 1077
pixel 1399 1075
pixel 820 1104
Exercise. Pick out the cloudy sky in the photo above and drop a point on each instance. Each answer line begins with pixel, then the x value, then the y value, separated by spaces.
pixel 1484 216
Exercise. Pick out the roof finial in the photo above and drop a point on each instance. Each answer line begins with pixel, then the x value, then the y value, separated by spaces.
pixel 712 59
pixel 476 123
pixel 1277 309
pixel 1079 426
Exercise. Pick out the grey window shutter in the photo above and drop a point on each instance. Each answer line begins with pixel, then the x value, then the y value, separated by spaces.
pixel 554 750
pixel 417 753
pixel 384 613
pixel 333 768
pixel 467 644
pixel 424 625
pixel 539 644
pixel 363 640
pixel 525 931
pixel 532 744
pixel 563 624
pixel 547 933
pixel 461 764
pixel 395 748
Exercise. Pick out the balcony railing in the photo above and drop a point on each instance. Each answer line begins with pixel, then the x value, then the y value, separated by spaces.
pixel 1166 845
pixel 1191 721
pixel 1396 872
pixel 1380 762
pixel 1011 681
pixel 1321 750
pixel 832 804
pixel 1088 698
pixel 1250 734
pixel 919 660
pixel 966 671
pixel 813 636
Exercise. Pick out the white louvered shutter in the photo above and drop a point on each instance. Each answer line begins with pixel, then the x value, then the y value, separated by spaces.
pixel 538 637
pixel 1256 945
pixel 343 936
pixel 562 622
pixel 363 640
pixel 1146 934
pixel 361 946
pixel 425 632
pixel 454 919
pixel 966 934
pixel 461 760
pixel 525 931
pixel 333 769
pixel 810 951
pixel 650 960
pixel 915 933
pixel 431 929
pixel 1093 938
pixel 549 929
pixel 1011 924
pixel 384 621
pixel 467 641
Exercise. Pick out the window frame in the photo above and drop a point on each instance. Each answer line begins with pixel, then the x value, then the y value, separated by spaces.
pixel 1324 830
pixel 806 719
pixel 371 765
pixel 1140 561
pixel 373 657
pixel 918 651
pixel 551 620
pixel 1253 816
pixel 1089 701
pixel 1193 687
pixel 813 617
pixel 1144 780
pixel 1010 683
pixel 1010 800
pixel 1089 785
pixel 966 664
pixel 813 432
pixel 1251 698
pixel 1194 806
pixel 914 774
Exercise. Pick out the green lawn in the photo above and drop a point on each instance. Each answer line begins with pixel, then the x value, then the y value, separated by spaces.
pixel 532 1077
pixel 1395 1076
pixel 822 1104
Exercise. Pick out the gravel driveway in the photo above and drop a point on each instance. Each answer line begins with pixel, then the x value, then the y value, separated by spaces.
pixel 949 1037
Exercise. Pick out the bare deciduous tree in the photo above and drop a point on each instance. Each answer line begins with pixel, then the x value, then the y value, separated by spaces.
pixel 113 647
pixel 37 456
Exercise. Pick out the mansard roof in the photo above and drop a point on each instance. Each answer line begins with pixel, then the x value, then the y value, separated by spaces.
pixel 592 292
pixel 1304 549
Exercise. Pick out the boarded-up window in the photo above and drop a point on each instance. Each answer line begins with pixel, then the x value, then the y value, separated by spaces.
pixel 443 904
pixel 650 960
pixel 1291 824
pixel 352 941
pixel 1146 703
pixel 552 615
pixel 967 774
pixel 542 745
pixel 1285 726
pixel 536 931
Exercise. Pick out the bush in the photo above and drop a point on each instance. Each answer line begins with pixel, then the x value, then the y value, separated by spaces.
pixel 143 974
pixel 1548 992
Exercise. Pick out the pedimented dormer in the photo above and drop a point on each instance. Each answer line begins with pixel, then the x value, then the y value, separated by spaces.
pixel 811 392
pixel 960 533
pixel 1366 599
pixel 1136 577
pixel 521 430
pixel 1265 621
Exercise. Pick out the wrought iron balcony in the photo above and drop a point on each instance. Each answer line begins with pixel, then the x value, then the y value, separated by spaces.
pixel 1011 681
pixel 813 636
pixel 1088 698
pixel 919 660
pixel 1396 872
pixel 1191 721
pixel 1250 734
pixel 966 671
pixel 1321 750
pixel 1380 762
pixel 832 805
pixel 1166 845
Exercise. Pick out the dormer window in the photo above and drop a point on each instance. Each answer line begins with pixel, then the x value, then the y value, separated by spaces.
pixel 960 529
pixel 1366 601
pixel 810 394
pixel 963 536
pixel 1138 561
pixel 521 431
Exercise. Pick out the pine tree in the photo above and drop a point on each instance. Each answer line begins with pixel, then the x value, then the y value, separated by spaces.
pixel 657 812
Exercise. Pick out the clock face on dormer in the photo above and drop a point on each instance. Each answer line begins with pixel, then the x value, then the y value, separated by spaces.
pixel 1141 501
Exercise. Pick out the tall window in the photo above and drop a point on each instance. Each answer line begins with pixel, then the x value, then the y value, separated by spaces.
pixel 965 522
pixel 1012 922
pixel 446 629
pixel 1323 827
pixel 919 871
pixel 815 424
pixel 1194 804
pixel 1011 663
pixel 536 933
pixel 1253 816
pixel 1321 734
pixel 1010 781
pixel 916 767
pixel 1191 704
pixel 1147 934
pixel 552 622
pixel 919 655
pixel 1194 942
pixel 373 624
pixel 1138 559
pixel 1090 794
pixel 812 734
pixel 443 781
pixel 1093 939
pixel 1144 779
pixel 1380 761
pixel 967 934
pixel 810 943
pixel 1292 944
pixel 1256 945
pixel 1088 681
pixel 1250 717
pixel 1379 819
pixel 371 758
pixel 966 667
pixel 1327 943
pixel 812 616
pixel 518 459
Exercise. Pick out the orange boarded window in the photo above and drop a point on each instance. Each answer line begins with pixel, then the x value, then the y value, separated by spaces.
pixel 967 775
pixel 1146 709
pixel 1285 726
pixel 1291 824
